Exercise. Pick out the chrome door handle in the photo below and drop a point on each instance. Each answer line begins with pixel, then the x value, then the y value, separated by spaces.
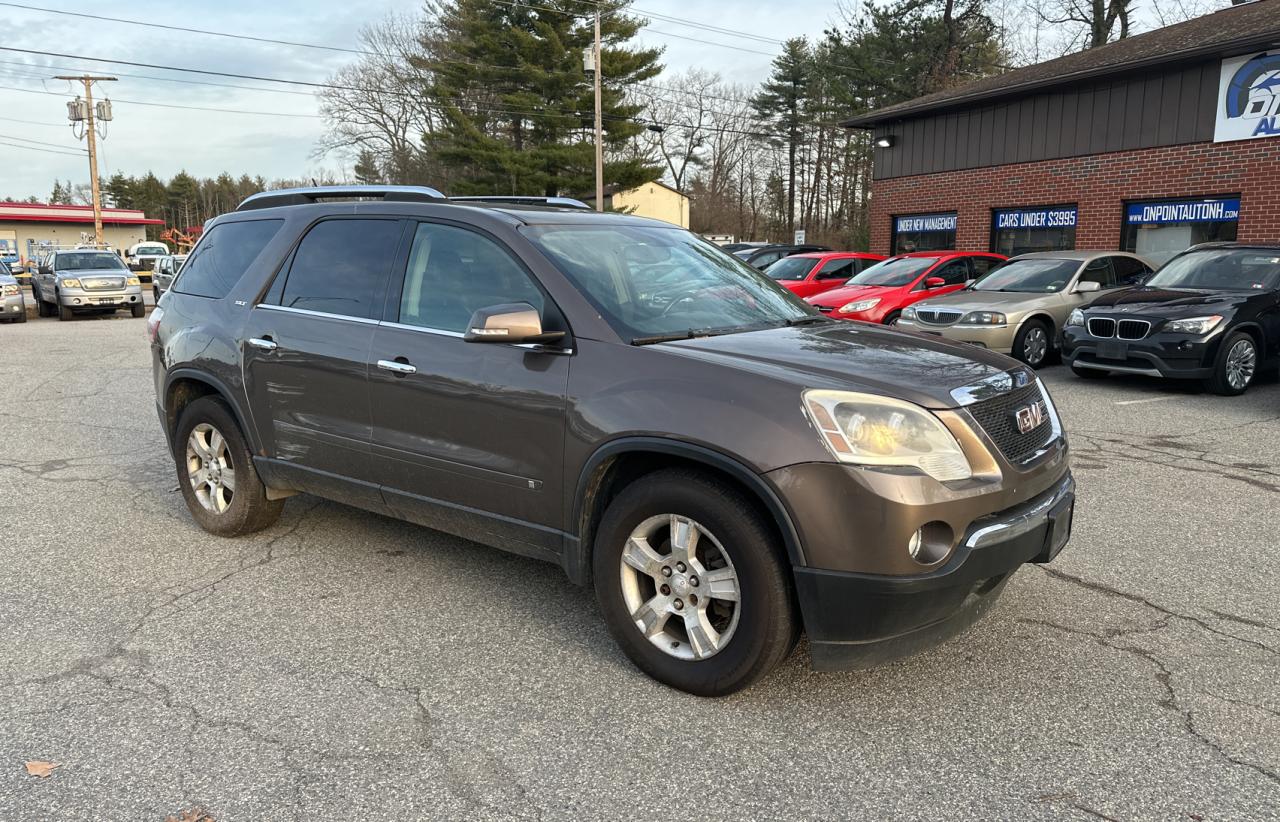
pixel 397 367
pixel 263 343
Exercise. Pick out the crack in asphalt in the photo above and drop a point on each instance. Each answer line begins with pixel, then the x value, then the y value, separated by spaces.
pixel 1115 449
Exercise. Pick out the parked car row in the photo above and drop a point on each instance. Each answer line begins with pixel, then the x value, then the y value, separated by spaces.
pixel 1211 313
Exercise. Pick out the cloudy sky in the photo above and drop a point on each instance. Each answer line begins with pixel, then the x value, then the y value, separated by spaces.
pixel 167 140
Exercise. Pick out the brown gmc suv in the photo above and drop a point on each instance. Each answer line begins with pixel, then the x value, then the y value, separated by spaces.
pixel 725 466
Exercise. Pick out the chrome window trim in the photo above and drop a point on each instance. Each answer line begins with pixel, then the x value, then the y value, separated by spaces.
pixel 440 332
pixel 309 313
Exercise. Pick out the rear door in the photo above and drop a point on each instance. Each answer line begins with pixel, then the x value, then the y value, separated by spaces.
pixel 306 349
pixel 832 274
pixel 468 435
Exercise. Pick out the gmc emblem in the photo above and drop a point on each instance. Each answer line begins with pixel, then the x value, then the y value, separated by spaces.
pixel 1030 417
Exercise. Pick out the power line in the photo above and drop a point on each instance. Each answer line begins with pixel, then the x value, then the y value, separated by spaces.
pixel 173 105
pixel 153 77
pixel 40 143
pixel 45 150
pixel 32 122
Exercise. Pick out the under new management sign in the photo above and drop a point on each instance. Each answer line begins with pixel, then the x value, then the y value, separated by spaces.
pixel 1248 98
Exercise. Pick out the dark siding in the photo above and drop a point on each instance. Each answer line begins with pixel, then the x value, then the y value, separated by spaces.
pixel 1142 111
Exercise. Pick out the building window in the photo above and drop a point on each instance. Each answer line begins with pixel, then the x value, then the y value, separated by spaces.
pixel 1034 228
pixel 1159 229
pixel 924 232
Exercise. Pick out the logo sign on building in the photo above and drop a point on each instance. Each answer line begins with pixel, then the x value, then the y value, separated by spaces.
pixel 1183 211
pixel 1036 217
pixel 925 222
pixel 1248 98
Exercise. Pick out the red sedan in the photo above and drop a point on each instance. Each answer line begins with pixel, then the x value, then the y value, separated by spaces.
pixel 818 271
pixel 879 294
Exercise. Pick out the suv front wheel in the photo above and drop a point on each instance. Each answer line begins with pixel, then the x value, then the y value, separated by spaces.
pixel 692 583
pixel 216 474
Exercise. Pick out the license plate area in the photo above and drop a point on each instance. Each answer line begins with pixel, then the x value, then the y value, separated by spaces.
pixel 1113 350
pixel 1059 530
pixel 107 300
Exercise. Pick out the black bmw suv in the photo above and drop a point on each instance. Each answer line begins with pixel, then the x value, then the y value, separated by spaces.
pixel 1211 313
pixel 720 462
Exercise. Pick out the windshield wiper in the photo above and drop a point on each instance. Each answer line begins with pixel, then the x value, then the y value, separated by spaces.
pixel 809 318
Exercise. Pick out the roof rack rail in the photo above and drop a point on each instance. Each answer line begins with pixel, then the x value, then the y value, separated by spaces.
pixel 512 199
pixel 308 196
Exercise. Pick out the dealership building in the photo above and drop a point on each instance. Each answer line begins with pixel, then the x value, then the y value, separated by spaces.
pixel 1150 144
pixel 28 230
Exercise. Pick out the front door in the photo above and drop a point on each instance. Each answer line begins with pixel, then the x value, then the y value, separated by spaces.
pixel 306 349
pixel 468 435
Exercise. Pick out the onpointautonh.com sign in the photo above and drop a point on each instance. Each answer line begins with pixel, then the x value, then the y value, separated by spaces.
pixel 1183 211
pixel 1036 218
pixel 1248 98
pixel 925 222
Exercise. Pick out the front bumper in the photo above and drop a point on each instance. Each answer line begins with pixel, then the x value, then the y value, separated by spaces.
pixel 862 620
pixel 77 298
pixel 11 307
pixel 1176 356
pixel 998 338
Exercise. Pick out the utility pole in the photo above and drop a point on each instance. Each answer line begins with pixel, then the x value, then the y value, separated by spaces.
pixel 90 130
pixel 599 120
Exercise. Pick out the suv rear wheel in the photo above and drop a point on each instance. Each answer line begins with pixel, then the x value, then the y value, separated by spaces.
pixel 215 472
pixel 692 583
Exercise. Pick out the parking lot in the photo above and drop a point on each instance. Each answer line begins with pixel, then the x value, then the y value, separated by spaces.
pixel 342 665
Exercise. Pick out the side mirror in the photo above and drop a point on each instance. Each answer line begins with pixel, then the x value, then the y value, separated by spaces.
pixel 934 282
pixel 508 323
pixel 1087 286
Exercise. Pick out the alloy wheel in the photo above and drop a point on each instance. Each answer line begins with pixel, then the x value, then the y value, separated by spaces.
pixel 1242 360
pixel 209 468
pixel 1035 346
pixel 680 587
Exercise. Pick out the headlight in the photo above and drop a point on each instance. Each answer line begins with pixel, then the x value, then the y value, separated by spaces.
pixel 71 282
pixel 983 318
pixel 132 281
pixel 859 305
pixel 909 313
pixel 1076 317
pixel 1198 326
pixel 869 430
pixel 10 291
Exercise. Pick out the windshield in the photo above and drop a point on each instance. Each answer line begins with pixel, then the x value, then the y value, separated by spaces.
pixel 1234 269
pixel 153 249
pixel 659 282
pixel 86 261
pixel 790 268
pixel 1032 276
pixel 895 271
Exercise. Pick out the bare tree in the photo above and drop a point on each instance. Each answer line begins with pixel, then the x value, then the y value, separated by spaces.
pixel 1095 22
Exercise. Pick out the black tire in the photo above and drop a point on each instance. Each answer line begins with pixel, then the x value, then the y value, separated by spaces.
pixel 65 313
pixel 1025 335
pixel 767 627
pixel 892 317
pixel 138 310
pixel 42 308
pixel 1090 373
pixel 1223 382
pixel 22 315
pixel 249 509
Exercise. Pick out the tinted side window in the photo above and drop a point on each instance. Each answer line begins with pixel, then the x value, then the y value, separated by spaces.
pixel 981 265
pixel 1129 271
pixel 1099 271
pixel 453 272
pixel 837 270
pixel 223 256
pixel 341 267
pixel 955 272
pixel 765 259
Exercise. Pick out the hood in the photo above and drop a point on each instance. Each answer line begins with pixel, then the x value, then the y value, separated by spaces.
pixel 970 300
pixel 849 356
pixel 837 297
pixel 1168 300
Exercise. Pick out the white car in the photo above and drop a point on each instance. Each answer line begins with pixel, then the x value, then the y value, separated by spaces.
pixel 142 257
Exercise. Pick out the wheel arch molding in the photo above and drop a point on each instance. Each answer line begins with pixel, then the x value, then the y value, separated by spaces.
pixel 216 388
pixel 593 490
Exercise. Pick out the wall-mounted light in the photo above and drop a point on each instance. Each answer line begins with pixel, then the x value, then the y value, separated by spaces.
pixel 887 141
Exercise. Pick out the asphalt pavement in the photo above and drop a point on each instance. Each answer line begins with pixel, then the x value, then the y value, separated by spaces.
pixel 346 666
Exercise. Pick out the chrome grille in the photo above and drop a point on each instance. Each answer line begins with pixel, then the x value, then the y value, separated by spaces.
pixel 998 418
pixel 1104 327
pixel 937 316
pixel 102 283
pixel 1132 329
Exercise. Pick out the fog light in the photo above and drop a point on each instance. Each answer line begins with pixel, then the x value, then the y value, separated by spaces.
pixel 76 300
pixel 931 544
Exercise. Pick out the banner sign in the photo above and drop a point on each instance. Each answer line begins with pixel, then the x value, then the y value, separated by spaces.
pixel 925 222
pixel 1248 98
pixel 1183 211
pixel 1036 217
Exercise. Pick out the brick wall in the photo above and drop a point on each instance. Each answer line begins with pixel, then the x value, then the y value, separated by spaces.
pixel 1098 183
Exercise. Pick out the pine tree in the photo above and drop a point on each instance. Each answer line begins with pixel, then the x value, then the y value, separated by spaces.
pixel 366 170
pixel 61 195
pixel 517 103
pixel 781 104
pixel 120 190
